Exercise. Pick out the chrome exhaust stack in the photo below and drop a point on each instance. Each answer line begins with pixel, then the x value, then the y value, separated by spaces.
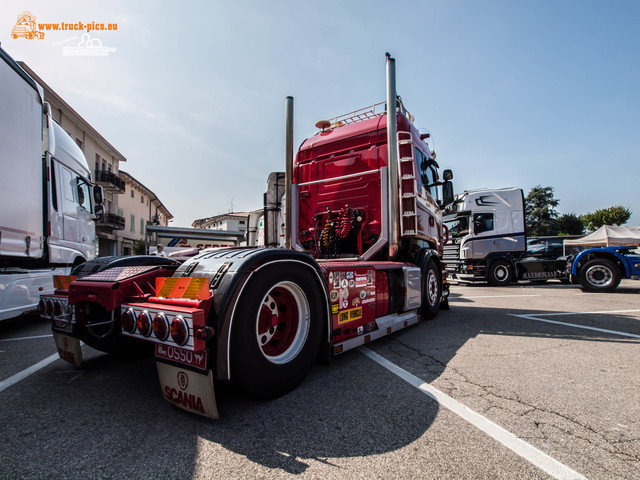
pixel 392 155
pixel 290 199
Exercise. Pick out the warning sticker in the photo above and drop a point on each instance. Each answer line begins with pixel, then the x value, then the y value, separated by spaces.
pixel 350 315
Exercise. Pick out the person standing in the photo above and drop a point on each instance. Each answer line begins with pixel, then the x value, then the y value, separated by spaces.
pixel 160 251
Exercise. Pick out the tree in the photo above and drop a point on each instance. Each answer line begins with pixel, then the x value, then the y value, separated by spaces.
pixel 540 212
pixel 139 247
pixel 616 215
pixel 570 224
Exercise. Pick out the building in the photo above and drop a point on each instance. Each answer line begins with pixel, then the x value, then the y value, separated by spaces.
pixel 139 206
pixel 104 162
pixel 232 221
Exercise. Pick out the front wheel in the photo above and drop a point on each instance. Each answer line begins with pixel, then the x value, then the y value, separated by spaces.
pixel 277 329
pixel 599 275
pixel 500 273
pixel 431 291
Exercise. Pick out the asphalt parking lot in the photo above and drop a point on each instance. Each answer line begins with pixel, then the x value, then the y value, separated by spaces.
pixel 526 381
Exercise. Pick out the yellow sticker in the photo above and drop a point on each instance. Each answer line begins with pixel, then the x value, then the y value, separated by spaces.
pixel 334 308
pixel 350 315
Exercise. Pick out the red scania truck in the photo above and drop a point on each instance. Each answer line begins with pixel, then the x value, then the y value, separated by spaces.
pixel 364 241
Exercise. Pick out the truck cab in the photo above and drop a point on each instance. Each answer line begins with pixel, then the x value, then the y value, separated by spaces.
pixel 486 234
pixel 74 202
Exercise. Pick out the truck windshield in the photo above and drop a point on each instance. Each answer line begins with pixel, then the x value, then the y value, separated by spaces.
pixel 458 224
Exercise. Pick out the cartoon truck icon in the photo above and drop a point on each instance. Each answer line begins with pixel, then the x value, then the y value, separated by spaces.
pixel 26 27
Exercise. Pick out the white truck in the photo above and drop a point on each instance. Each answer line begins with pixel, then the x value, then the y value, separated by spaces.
pixel 488 241
pixel 47 202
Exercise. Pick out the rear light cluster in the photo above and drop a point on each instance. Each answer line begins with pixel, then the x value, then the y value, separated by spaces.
pixel 158 326
pixel 56 309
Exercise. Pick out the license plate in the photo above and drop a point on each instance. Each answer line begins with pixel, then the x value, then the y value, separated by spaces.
pixel 186 357
pixel 69 348
pixel 536 275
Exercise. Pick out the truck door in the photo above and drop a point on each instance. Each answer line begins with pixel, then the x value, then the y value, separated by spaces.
pixel 77 225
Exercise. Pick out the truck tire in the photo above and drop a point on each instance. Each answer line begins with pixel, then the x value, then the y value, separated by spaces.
pixel 276 331
pixel 599 275
pixel 431 291
pixel 500 273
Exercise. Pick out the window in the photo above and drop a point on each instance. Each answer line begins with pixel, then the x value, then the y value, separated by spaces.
pixel 141 198
pixel 142 226
pixel 132 194
pixel 84 198
pixel 241 222
pixel 132 227
pixel 428 175
pixel 79 142
pixel 120 213
pixel 482 222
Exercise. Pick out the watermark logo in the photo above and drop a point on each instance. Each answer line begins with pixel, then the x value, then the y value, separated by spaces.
pixel 26 27
pixel 88 47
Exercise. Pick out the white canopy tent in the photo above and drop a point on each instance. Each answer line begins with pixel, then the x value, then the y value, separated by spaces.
pixel 609 236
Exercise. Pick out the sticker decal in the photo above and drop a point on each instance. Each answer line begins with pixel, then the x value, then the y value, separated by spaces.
pixel 333 295
pixel 350 315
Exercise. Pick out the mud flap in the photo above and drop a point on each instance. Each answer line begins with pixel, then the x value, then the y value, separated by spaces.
pixel 189 390
pixel 69 348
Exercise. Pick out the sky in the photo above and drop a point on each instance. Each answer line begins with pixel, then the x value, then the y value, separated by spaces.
pixel 514 92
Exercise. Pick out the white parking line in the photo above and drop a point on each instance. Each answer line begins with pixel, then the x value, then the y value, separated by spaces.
pixel 535 317
pixel 25 338
pixel 4 384
pixel 525 450
pixel 494 296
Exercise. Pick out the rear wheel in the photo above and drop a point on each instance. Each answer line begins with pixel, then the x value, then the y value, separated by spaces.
pixel 431 291
pixel 277 330
pixel 599 275
pixel 500 273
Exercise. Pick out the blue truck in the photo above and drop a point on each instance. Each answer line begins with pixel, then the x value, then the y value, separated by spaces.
pixel 601 269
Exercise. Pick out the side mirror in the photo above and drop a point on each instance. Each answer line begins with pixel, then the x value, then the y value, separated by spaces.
pixel 98 212
pixel 98 196
pixel 447 190
pixel 447 174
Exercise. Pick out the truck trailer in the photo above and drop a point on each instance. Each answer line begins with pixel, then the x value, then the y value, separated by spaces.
pixel 48 203
pixel 362 259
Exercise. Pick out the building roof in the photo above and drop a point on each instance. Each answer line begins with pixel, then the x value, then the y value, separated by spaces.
pixel 203 222
pixel 152 196
pixel 55 98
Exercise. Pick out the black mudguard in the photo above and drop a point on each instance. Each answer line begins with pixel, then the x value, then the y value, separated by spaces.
pixel 228 271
